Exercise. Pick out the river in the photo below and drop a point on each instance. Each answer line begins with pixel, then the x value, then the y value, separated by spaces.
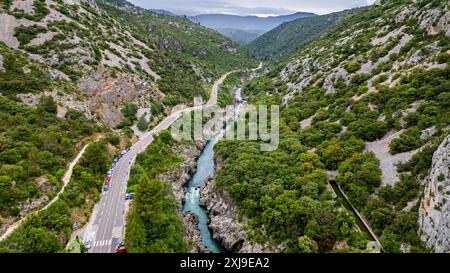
pixel 205 168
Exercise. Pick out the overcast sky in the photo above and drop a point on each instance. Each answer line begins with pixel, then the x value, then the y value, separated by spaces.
pixel 250 7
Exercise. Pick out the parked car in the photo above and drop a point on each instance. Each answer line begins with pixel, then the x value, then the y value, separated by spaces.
pixel 121 249
pixel 88 244
pixel 129 196
pixel 106 188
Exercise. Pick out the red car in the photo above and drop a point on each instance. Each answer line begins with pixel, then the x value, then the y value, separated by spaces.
pixel 121 249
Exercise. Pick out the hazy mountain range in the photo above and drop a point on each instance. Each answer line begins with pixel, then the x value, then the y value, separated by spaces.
pixel 244 29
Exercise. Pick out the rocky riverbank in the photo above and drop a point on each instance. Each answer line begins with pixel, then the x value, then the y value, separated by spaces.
pixel 178 178
pixel 227 230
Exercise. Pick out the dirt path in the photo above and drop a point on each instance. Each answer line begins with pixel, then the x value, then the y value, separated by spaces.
pixel 65 179
pixel 388 162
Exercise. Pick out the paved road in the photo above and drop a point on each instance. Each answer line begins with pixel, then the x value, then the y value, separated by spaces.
pixel 108 218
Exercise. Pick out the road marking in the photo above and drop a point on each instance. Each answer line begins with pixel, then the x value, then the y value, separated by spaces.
pixel 102 243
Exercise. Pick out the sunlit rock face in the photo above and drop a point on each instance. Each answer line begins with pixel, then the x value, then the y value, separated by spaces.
pixel 434 219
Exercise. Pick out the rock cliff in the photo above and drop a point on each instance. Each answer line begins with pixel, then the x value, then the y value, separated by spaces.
pixel 227 229
pixel 434 214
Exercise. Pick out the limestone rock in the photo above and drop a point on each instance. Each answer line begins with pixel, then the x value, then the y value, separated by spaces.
pixel 434 213
pixel 224 221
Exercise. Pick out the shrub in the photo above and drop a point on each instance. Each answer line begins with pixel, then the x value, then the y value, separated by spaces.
pixel 352 66
pixel 408 140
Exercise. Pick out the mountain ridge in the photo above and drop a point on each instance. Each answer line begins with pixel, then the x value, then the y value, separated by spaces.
pixel 252 25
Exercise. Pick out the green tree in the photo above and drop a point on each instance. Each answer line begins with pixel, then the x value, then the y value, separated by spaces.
pixel 142 124
pixel 307 245
pixel 48 104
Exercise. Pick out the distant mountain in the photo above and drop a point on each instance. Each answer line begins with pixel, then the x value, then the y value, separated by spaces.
pixel 241 36
pixel 244 28
pixel 162 11
pixel 289 37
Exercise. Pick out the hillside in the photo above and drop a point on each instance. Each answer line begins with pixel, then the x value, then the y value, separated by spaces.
pixel 240 36
pixel 286 39
pixel 104 47
pixel 366 104
pixel 244 29
pixel 72 70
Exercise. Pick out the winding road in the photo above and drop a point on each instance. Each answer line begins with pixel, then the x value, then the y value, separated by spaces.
pixel 108 218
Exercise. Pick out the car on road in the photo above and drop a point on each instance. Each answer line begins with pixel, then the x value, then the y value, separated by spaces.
pixel 106 188
pixel 88 244
pixel 121 249
pixel 129 196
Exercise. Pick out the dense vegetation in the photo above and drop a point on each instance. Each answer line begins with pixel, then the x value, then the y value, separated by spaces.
pixel 49 230
pixel 332 119
pixel 35 145
pixel 228 88
pixel 153 223
pixel 285 196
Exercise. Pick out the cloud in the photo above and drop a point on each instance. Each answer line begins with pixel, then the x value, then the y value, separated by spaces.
pixel 250 7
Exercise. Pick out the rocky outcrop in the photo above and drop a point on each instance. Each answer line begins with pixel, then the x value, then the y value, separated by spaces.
pixel 192 233
pixel 227 230
pixel 434 213
pixel 2 69
pixel 101 95
pixel 178 178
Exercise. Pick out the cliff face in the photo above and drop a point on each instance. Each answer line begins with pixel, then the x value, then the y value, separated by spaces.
pixel 434 214
pixel 224 221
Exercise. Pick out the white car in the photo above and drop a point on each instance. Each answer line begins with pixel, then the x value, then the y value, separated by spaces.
pixel 88 244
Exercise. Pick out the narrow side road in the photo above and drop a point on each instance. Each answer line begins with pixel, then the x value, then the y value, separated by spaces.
pixel 65 179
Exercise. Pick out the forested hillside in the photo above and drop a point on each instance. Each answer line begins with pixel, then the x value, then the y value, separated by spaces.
pixel 367 104
pixel 286 39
